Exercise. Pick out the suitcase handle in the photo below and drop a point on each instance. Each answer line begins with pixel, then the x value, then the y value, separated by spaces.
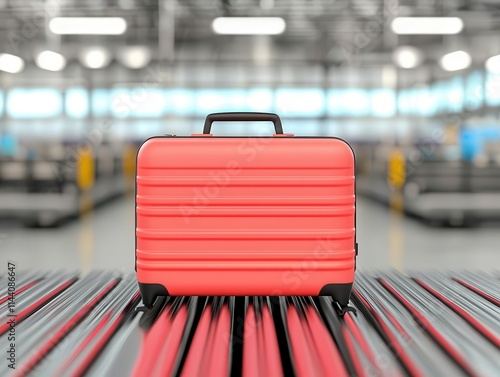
pixel 243 117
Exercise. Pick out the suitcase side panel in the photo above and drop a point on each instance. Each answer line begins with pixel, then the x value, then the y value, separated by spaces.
pixel 214 213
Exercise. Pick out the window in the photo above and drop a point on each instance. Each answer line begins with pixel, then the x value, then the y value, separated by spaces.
pixel 179 101
pixel 474 90
pixel 100 102
pixel 219 100
pixel 383 103
pixel 26 103
pixel 77 103
pixel 137 103
pixel 455 97
pixel 348 102
pixel 300 102
pixel 492 95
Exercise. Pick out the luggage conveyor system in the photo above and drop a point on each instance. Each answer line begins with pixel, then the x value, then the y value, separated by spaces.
pixel 416 324
pixel 44 191
pixel 442 192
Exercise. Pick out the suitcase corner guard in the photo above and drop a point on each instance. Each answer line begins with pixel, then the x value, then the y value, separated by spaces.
pixel 150 292
pixel 340 292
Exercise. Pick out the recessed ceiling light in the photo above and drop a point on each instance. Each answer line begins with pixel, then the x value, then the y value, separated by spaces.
pixel 249 25
pixel 493 64
pixel 88 25
pixel 135 57
pixel 50 61
pixel 95 57
pixel 407 57
pixel 455 61
pixel 11 63
pixel 427 25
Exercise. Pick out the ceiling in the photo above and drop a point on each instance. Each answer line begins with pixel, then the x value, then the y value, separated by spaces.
pixel 326 32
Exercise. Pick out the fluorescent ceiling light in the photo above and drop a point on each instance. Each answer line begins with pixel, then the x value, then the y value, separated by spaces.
pixel 407 57
pixel 493 64
pixel 249 25
pixel 427 25
pixel 455 61
pixel 11 63
pixel 88 25
pixel 135 57
pixel 51 61
pixel 95 57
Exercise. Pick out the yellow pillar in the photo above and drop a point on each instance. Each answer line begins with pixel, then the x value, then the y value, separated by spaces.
pixel 85 179
pixel 396 177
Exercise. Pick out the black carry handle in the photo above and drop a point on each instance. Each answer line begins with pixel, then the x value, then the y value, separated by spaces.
pixel 243 117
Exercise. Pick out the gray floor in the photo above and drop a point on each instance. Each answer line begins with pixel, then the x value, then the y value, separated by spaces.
pixel 105 239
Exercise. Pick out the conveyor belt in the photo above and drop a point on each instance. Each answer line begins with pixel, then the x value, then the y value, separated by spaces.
pixel 416 324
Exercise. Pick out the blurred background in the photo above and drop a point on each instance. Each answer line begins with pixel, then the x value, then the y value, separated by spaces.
pixel 414 87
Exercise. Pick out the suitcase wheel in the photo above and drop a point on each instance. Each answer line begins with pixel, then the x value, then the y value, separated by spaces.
pixel 339 292
pixel 150 292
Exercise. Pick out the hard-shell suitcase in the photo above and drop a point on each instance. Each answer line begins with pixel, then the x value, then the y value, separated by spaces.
pixel 219 216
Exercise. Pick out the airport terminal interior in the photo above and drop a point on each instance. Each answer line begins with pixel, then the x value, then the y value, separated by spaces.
pixel 412 86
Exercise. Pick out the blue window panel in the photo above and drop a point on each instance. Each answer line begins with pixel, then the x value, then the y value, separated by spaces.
pixel 219 100
pixel 179 101
pixel 100 102
pixel 414 101
pixel 356 102
pixel 411 101
pixel 348 102
pixel 29 103
pixel 439 97
pixel 404 102
pixel 259 99
pixel 492 92
pixel 436 98
pixel 418 101
pixel 306 127
pixel 455 96
pixel 208 101
pixel 474 90
pixel 147 102
pixel 137 103
pixel 383 103
pixel 308 102
pixel 334 102
pixel 425 102
pixel 120 102
pixel 77 103
pixel 435 95
pixel 442 88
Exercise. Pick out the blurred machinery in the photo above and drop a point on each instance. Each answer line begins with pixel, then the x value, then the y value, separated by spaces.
pixel 47 184
pixel 456 182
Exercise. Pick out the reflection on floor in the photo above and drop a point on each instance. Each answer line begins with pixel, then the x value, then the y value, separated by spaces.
pixel 105 239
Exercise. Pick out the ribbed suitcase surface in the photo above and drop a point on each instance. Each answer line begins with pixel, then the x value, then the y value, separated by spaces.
pixel 245 216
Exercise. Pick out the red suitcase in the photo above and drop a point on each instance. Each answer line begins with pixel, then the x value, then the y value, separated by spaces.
pixel 220 216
